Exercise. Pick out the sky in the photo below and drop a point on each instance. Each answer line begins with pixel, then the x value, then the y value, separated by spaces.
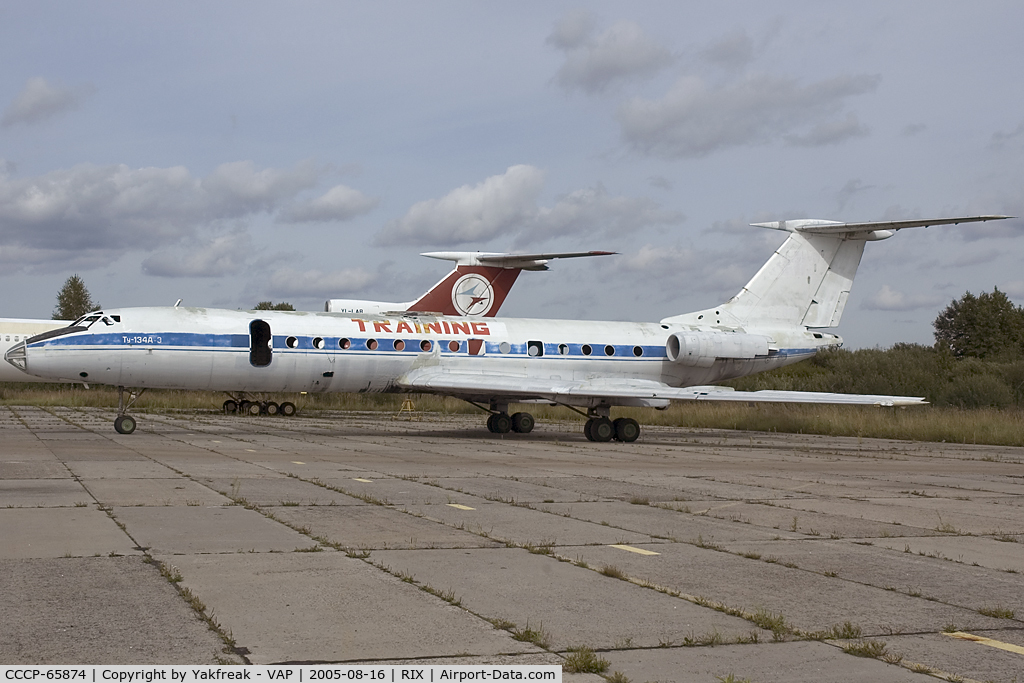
pixel 234 152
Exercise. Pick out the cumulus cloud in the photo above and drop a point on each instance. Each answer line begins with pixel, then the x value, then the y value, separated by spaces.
pixel 829 133
pixel 290 282
pixel 695 118
pixel 99 212
pixel 912 129
pixel 39 101
pixel 222 255
pixel 593 62
pixel 470 213
pixel 732 51
pixel 850 190
pixel 506 204
pixel 889 299
pixel 340 203
pixel 1001 139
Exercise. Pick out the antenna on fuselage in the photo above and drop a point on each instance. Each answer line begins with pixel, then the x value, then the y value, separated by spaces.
pixel 177 303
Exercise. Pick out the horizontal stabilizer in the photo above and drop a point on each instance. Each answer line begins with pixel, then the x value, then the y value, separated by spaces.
pixel 507 260
pixel 821 227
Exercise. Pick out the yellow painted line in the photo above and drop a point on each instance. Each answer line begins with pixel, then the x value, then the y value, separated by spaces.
pixel 629 548
pixel 215 441
pixel 365 481
pixel 249 450
pixel 294 462
pixel 459 507
pixel 960 635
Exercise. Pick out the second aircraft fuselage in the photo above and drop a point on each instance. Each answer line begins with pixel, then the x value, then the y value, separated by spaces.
pixel 278 351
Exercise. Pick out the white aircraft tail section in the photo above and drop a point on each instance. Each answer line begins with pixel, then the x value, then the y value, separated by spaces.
pixel 807 281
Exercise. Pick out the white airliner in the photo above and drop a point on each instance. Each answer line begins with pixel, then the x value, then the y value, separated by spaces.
pixel 477 286
pixel 777 319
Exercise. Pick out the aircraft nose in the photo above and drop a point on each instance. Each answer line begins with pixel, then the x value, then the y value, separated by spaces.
pixel 17 356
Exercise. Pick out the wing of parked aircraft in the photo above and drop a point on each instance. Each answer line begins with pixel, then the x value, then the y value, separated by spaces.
pixel 520 388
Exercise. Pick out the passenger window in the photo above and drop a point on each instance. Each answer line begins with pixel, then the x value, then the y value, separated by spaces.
pixel 535 348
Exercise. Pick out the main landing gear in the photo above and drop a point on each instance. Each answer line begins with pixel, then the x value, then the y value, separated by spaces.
pixel 500 422
pixel 125 423
pixel 602 429
pixel 243 406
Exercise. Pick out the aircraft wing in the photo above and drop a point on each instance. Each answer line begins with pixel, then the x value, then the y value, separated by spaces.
pixel 521 387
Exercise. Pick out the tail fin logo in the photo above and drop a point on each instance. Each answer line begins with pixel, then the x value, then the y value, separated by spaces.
pixel 472 295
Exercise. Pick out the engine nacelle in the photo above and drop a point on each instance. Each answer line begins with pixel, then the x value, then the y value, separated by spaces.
pixel 700 349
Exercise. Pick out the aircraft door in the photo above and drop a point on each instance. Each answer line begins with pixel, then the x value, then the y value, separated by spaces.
pixel 260 344
pixel 323 366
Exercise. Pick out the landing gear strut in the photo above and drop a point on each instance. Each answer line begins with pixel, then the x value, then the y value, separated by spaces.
pixel 125 423
pixel 602 429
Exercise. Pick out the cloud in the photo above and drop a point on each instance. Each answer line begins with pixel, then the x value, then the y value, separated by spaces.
pixel 1014 289
pixel 100 212
pixel 912 129
pixel 852 188
pixel 695 119
pixel 732 51
pixel 660 182
pixel 340 203
pixel 39 101
pixel 470 213
pixel 829 133
pixel 506 205
pixel 592 63
pixel 223 255
pixel 1001 139
pixel 889 299
pixel 289 282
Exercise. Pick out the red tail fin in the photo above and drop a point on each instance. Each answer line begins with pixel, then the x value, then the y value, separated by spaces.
pixel 475 291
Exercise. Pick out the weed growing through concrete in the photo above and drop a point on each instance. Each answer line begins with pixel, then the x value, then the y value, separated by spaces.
pixel 617 677
pixel 731 678
pixel 997 612
pixel 614 572
pixel 582 660
pixel 873 649
pixel 639 500
pixel 538 636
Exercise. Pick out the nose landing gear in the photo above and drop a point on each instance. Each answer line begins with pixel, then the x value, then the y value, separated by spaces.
pixel 125 423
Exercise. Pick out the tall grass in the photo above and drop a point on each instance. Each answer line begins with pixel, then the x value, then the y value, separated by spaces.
pixel 1003 427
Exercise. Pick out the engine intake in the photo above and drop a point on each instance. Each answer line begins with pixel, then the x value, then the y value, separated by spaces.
pixel 700 349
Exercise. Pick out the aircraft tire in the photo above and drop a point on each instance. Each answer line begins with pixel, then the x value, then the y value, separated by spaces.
pixel 287 408
pixel 490 423
pixel 124 424
pixel 586 429
pixel 602 430
pixel 502 423
pixel 253 409
pixel 273 408
pixel 522 423
pixel 230 406
pixel 627 430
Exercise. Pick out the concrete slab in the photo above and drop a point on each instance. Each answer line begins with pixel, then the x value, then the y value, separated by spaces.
pixel 98 610
pixel 277 491
pixel 970 660
pixel 273 603
pixel 42 493
pixel 34 470
pixel 121 469
pixel 986 551
pixel 60 532
pixel 575 606
pixel 377 527
pixel 521 525
pixel 796 594
pixel 511 490
pixel 662 523
pixel 158 492
pixel 232 529
pixel 802 662
pixel 391 490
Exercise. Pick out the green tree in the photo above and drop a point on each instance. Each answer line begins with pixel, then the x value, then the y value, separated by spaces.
pixel 271 306
pixel 983 326
pixel 74 300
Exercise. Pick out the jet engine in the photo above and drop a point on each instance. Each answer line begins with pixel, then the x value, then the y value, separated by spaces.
pixel 700 349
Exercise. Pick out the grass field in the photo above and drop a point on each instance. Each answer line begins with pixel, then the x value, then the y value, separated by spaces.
pixel 1002 427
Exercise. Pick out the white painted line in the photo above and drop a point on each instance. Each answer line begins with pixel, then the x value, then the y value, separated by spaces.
pixel 629 548
pixel 960 635
pixel 365 481
pixel 459 507
pixel 249 450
